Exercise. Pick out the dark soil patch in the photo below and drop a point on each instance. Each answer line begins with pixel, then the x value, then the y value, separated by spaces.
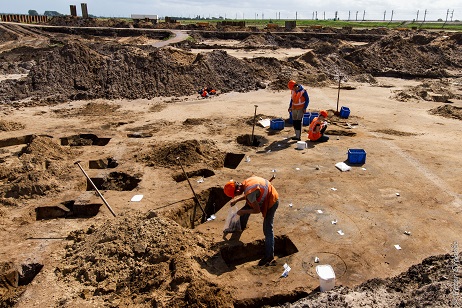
pixel 448 111
pixel 394 132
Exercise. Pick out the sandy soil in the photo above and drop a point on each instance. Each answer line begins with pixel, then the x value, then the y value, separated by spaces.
pixel 407 193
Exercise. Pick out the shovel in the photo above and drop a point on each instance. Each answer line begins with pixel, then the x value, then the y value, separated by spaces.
pixel 254 139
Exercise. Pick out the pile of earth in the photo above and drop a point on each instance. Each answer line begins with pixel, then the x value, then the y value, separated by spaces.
pixel 190 152
pixel 448 111
pixel 70 69
pixel 432 283
pixel 136 259
pixel 71 21
pixel 6 126
pixel 434 91
pixel 409 54
pixel 41 167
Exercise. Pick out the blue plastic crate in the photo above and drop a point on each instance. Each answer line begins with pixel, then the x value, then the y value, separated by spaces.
pixel 306 119
pixel 344 112
pixel 313 115
pixel 356 156
pixel 277 124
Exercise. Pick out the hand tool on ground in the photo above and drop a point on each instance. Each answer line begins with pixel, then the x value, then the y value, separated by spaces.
pixel 94 186
pixel 196 200
pixel 254 140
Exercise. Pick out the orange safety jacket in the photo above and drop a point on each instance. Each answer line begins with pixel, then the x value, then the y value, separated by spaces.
pixel 298 99
pixel 312 134
pixel 268 194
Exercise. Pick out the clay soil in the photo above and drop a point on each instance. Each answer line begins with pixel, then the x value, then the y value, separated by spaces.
pixel 128 113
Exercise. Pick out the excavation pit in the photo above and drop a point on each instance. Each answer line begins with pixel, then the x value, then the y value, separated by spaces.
pixel 10 277
pixel 211 200
pixel 239 254
pixel 118 181
pixel 205 173
pixel 16 141
pixel 84 140
pixel 107 163
pixel 247 140
pixel 67 209
pixel 233 160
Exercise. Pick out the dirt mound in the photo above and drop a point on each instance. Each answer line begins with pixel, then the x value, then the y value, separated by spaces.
pixel 423 285
pixel 422 54
pixel 259 41
pixel 91 109
pixel 190 152
pixel 41 167
pixel 141 258
pixel 79 71
pixel 433 91
pixel 70 21
pixel 448 111
pixel 7 126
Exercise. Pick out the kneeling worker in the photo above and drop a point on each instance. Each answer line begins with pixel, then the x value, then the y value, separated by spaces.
pixel 318 127
pixel 261 197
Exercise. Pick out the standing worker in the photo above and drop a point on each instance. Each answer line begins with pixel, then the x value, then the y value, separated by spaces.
pixel 299 101
pixel 261 197
pixel 317 128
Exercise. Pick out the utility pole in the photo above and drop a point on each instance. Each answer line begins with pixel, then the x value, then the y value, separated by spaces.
pixel 452 13
pixel 447 13
pixel 296 15
pixel 316 15
pixel 364 14
pixel 313 16
pixel 349 15
pixel 391 16
pixel 384 13
pixel 324 15
pixel 356 15
pixel 417 16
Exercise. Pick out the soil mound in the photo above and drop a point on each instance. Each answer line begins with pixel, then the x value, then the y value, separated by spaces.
pixel 426 284
pixel 409 55
pixel 40 167
pixel 448 111
pixel 141 258
pixel 79 71
pixel 7 126
pixel 190 152
pixel 433 91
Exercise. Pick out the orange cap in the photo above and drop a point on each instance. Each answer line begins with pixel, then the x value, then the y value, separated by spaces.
pixel 291 84
pixel 323 113
pixel 229 189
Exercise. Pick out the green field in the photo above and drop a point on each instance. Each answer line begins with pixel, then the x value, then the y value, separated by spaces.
pixel 455 26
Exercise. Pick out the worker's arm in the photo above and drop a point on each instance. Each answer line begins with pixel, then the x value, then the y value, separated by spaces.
pixel 254 210
pixel 236 200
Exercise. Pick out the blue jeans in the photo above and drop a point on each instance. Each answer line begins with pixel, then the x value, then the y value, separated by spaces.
pixel 268 231
pixel 267 228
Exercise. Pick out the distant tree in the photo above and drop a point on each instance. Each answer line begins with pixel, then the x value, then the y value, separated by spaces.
pixel 33 13
pixel 52 13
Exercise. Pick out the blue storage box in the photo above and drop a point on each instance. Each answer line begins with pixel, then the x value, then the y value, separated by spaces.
pixel 344 112
pixel 313 115
pixel 306 119
pixel 277 124
pixel 356 156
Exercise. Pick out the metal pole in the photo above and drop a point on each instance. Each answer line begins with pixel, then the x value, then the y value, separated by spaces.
pixel 94 186
pixel 338 93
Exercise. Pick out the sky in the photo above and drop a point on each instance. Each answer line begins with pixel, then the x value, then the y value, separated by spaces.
pixel 431 10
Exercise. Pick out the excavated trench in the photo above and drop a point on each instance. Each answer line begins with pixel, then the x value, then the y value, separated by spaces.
pixel 190 214
pixel 67 209
pixel 248 140
pixel 106 163
pixel 232 160
pixel 204 173
pixel 118 181
pixel 84 140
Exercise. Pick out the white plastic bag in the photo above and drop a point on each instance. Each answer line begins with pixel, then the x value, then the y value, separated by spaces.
pixel 233 221
pixel 342 166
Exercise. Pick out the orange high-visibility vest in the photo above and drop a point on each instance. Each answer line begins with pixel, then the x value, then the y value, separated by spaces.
pixel 268 194
pixel 312 135
pixel 298 100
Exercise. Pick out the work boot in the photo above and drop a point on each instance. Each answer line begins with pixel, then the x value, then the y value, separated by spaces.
pixel 265 261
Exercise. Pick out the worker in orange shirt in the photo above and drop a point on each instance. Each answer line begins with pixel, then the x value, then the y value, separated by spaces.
pixel 299 101
pixel 261 197
pixel 317 128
